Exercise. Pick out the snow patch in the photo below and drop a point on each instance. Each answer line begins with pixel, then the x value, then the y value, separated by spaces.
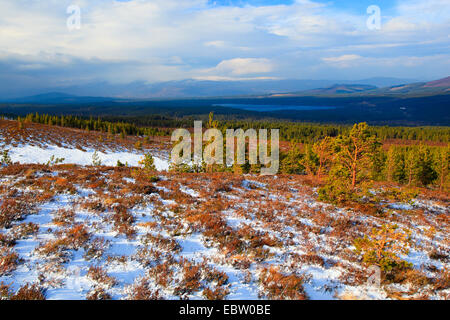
pixel 35 155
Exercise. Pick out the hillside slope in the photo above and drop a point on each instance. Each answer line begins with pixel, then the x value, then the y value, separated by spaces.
pixel 104 232
pixel 37 143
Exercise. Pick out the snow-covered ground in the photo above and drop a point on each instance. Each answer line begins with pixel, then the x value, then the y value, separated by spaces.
pixel 37 155
pixel 235 226
pixel 149 236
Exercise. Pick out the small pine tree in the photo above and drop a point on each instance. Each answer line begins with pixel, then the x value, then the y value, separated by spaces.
pixel 54 161
pixel 148 163
pixel 211 122
pixel 442 167
pixel 383 248
pixel 324 151
pixel 138 145
pixel 291 162
pixel 96 161
pixel 5 159
pixel 411 158
pixel 378 166
pixel 427 173
pixel 310 161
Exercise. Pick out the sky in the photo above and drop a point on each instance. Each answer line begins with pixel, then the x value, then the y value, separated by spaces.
pixel 162 40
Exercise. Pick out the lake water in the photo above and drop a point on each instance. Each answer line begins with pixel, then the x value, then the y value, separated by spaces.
pixel 268 108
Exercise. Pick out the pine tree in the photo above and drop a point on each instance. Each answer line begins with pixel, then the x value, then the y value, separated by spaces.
pixel 96 161
pixel 5 159
pixel 425 171
pixel 310 161
pixel 355 151
pixel 291 162
pixel 148 163
pixel 443 166
pixel 411 157
pixel 324 151
pixel 378 166
pixel 395 165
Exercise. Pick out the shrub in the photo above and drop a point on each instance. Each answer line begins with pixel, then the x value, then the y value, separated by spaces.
pixel 142 291
pixel 442 282
pixel 277 286
pixel 383 247
pixel 438 255
pixel 335 193
pixel 312 259
pixel 8 261
pixel 54 249
pixel 123 221
pixel 191 281
pixel 162 274
pixel 64 217
pixel 166 244
pixel 29 292
pixel 416 278
pixel 5 291
pixel 219 293
pixel 6 241
pixel 96 248
pixel 93 206
pixel 99 275
pixel 147 257
pixel 402 195
pixel 138 145
pixel 98 294
pixel 218 277
pixel 143 188
pixel 11 210
pixel 24 230
pixel 77 236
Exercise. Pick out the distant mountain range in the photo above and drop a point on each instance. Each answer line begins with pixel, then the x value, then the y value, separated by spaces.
pixel 343 89
pixel 423 103
pixel 58 97
pixel 103 92
pixel 437 86
pixel 200 88
pixel 441 86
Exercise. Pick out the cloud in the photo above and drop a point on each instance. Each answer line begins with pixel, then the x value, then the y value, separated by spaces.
pixel 343 58
pixel 217 44
pixel 366 67
pixel 159 40
pixel 243 66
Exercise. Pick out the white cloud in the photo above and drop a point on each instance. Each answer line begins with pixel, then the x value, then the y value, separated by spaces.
pixel 343 58
pixel 217 44
pixel 158 40
pixel 242 66
pixel 400 24
pixel 418 67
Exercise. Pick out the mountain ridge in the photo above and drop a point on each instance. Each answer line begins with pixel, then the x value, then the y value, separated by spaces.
pixel 192 88
pixel 435 87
